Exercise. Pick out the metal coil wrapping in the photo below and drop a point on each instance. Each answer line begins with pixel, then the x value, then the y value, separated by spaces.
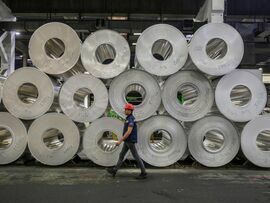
pixel 2 80
pixel 28 93
pixel 53 139
pixel 55 49
pixel 189 65
pixel 255 141
pixel 105 54
pixel 56 87
pixel 83 98
pixel 99 141
pixel 240 96
pixel 162 141
pixel 82 127
pixel 187 95
pixel 213 141
pixel 13 138
pixel 135 81
pixel 216 48
pixel 161 50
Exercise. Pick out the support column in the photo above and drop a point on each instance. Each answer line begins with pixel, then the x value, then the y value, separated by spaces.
pixel 7 43
pixel 211 11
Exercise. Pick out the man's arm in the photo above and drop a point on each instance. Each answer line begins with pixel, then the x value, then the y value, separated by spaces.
pixel 127 133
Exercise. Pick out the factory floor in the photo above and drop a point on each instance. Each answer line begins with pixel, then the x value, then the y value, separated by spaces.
pixel 87 184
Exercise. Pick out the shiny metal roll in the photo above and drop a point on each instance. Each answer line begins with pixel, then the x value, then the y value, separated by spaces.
pixel 161 141
pixel 83 98
pixel 216 48
pixel 55 48
pixel 187 95
pixel 99 141
pixel 2 80
pixel 255 141
pixel 240 96
pixel 13 138
pixel 28 93
pixel 140 82
pixel 161 50
pixel 53 139
pixel 213 141
pixel 105 54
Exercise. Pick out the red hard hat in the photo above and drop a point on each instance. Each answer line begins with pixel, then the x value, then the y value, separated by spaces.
pixel 129 106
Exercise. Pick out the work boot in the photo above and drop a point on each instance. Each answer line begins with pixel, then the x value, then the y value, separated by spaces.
pixel 141 176
pixel 111 171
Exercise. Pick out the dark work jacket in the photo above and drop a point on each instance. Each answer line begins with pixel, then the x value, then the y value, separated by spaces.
pixel 130 122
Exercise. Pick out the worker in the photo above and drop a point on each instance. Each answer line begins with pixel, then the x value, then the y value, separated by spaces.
pixel 130 139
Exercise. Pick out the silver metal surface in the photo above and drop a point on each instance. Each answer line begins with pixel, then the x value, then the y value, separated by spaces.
pixel 76 91
pixel 213 141
pixel 28 93
pixel 209 58
pixel 13 138
pixel 53 139
pixel 162 141
pixel 240 95
pixel 161 50
pixel 55 49
pixel 77 69
pixel 263 140
pixel 255 104
pixel 7 52
pixel 105 54
pixel 189 65
pixel 187 95
pixel 99 148
pixel 216 49
pixel 152 95
pixel 255 141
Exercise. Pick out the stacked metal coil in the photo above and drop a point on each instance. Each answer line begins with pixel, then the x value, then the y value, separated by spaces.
pixel 189 99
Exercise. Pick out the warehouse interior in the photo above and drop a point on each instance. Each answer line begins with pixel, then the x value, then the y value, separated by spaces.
pixel 64 95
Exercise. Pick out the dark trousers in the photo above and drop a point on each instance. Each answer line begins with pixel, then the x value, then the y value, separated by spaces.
pixel 129 146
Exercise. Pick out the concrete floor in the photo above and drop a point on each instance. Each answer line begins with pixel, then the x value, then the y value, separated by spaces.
pixel 46 184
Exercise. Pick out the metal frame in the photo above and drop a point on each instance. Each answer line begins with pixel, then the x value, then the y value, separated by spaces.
pixel 7 43
pixel 211 11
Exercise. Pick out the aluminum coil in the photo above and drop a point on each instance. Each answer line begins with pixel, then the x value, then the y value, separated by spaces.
pixel 213 141
pixel 13 138
pixel 212 55
pixel 196 92
pixel 53 139
pixel 161 50
pixel 139 81
pixel 162 141
pixel 55 48
pixel 75 91
pixel 105 54
pixel 28 93
pixel 255 141
pixel 248 107
pixel 103 151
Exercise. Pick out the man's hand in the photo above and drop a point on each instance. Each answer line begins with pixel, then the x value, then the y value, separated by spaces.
pixel 118 143
pixel 125 136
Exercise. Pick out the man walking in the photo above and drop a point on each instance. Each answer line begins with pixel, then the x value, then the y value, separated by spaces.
pixel 129 138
